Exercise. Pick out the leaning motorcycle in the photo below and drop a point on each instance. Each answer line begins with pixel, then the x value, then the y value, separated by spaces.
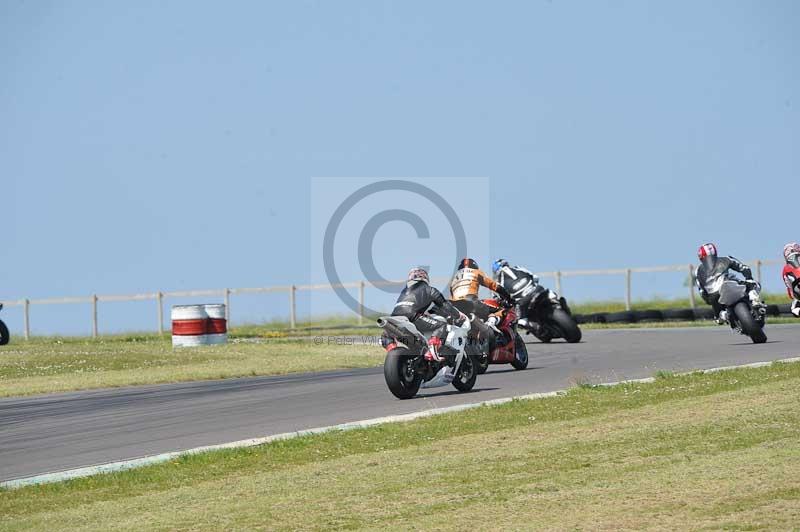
pixel 744 311
pixel 511 351
pixel 406 369
pixel 4 336
pixel 548 316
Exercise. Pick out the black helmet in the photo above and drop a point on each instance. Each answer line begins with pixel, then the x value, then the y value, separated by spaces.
pixel 468 263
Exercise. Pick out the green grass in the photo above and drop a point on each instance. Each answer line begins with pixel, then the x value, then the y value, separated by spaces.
pixel 659 304
pixel 718 450
pixel 44 365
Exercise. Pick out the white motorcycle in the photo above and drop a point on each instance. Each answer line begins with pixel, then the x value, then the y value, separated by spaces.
pixel 407 369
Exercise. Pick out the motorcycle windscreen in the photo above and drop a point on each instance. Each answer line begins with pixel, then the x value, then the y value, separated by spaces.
pixel 794 260
pixel 731 292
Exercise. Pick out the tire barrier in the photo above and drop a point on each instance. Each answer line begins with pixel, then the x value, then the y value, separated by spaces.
pixel 673 314
pixel 217 327
pixel 189 323
pixel 704 313
pixel 194 325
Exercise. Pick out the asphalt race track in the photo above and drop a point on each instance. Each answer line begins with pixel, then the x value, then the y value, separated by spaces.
pixel 65 431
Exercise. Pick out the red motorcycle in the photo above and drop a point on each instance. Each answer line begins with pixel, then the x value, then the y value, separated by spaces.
pixel 510 351
pixel 791 276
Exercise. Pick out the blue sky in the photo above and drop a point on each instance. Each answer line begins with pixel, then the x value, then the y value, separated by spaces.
pixel 171 145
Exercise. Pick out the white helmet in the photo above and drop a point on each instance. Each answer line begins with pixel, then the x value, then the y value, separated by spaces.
pixel 416 274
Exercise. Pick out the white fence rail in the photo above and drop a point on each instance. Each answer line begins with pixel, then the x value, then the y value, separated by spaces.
pixel 291 290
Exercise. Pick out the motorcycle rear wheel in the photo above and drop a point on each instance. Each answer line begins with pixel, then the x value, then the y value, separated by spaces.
pixel 402 381
pixel 520 361
pixel 748 323
pixel 566 324
pixel 4 335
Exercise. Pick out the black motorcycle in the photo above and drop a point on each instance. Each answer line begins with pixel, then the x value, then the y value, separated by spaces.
pixel 547 316
pixel 745 314
pixel 4 336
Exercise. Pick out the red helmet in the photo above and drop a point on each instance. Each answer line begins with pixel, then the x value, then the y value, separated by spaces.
pixel 707 253
pixel 467 263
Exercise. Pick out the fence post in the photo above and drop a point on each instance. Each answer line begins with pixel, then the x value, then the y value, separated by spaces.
pixel 160 303
pixel 292 307
pixel 758 271
pixel 361 303
pixel 691 287
pixel 228 305
pixel 26 305
pixel 628 289
pixel 94 315
pixel 558 283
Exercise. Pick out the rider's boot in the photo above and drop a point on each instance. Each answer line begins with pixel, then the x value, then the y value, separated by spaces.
pixel 434 344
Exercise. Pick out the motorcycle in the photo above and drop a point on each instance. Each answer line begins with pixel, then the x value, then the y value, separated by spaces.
pixel 548 316
pixel 406 368
pixel 744 311
pixel 4 336
pixel 513 351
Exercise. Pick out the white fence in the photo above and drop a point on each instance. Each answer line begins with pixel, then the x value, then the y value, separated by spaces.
pixel 292 290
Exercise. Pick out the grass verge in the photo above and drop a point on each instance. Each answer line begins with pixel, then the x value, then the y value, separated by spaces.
pixel 716 450
pixel 45 365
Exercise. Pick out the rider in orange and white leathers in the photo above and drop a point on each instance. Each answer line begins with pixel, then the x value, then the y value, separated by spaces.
pixel 464 287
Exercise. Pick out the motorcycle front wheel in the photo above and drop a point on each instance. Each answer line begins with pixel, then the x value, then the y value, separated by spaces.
pixel 567 325
pixel 401 378
pixel 521 353
pixel 4 336
pixel 482 365
pixel 467 374
pixel 748 323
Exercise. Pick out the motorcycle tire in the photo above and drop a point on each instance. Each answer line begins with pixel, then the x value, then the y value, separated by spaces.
pixel 569 329
pixel 482 365
pixel 4 336
pixel 520 361
pixel 749 324
pixel 395 371
pixel 467 374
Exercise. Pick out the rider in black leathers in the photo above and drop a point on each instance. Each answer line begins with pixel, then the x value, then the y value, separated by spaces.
pixel 712 266
pixel 418 297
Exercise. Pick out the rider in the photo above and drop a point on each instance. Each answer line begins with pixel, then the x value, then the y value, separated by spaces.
pixel 711 267
pixel 791 274
pixel 464 289
pixel 518 281
pixel 419 296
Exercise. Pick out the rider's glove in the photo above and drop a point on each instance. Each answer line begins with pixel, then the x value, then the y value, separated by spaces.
pixel 796 308
pixel 461 318
pixel 753 285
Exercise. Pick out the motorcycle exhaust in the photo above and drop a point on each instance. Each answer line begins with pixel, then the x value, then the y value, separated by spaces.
pixel 480 328
pixel 399 333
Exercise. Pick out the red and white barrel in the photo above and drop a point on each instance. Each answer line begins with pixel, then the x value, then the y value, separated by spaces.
pixel 189 325
pixel 217 327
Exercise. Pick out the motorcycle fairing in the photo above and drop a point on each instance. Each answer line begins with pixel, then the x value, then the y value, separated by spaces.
pixel 731 292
